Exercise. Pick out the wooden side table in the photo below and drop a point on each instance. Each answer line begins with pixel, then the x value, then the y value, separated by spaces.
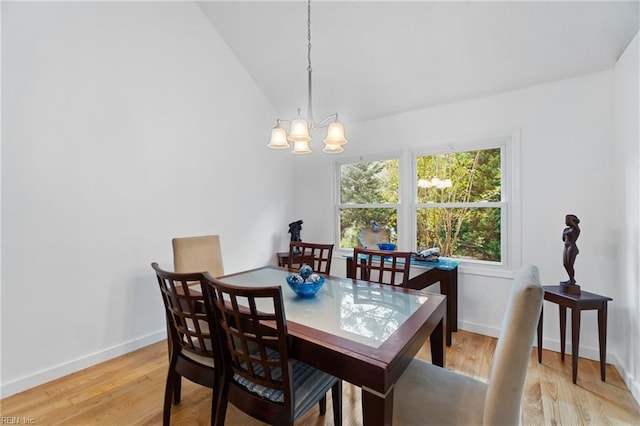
pixel 283 258
pixel 577 303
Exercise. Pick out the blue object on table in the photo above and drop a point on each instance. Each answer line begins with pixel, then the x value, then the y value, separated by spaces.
pixel 305 289
pixel 443 263
pixel 387 246
pixel 305 272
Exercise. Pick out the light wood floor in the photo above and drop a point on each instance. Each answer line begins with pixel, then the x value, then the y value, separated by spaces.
pixel 129 390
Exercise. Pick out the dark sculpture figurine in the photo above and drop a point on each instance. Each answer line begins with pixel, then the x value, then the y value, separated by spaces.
pixel 569 236
pixel 294 230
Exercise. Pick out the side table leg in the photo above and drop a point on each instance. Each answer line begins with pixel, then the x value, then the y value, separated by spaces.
pixel 563 330
pixel 452 277
pixel 349 267
pixel 602 337
pixel 575 341
pixel 447 289
pixel 540 337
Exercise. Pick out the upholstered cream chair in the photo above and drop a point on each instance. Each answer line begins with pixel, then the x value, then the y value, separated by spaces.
pixel 426 394
pixel 198 254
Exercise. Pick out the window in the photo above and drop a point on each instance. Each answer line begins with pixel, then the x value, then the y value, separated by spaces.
pixel 459 203
pixel 461 200
pixel 368 202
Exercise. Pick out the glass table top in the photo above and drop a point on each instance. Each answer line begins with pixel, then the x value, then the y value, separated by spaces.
pixel 367 313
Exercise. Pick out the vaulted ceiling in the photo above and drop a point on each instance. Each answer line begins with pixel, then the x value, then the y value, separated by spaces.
pixel 377 58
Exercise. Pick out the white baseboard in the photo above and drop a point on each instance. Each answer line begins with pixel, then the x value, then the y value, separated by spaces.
pixel 630 381
pixel 634 385
pixel 479 329
pixel 552 345
pixel 72 366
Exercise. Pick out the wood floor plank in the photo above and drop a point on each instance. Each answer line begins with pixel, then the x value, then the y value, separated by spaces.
pixel 130 390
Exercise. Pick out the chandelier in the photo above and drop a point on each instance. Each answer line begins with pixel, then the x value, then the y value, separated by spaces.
pixel 302 128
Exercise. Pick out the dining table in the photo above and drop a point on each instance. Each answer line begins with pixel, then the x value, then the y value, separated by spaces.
pixel 362 332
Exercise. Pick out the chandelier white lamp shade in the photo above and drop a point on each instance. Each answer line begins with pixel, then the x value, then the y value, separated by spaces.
pixel 278 138
pixel 301 129
pixel 335 138
pixel 301 147
pixel 335 134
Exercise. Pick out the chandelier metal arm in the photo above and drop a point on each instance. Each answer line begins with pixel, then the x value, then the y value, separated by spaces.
pixel 320 125
pixel 325 121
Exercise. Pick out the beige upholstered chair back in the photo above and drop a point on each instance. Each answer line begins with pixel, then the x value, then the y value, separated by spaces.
pixel 513 351
pixel 198 254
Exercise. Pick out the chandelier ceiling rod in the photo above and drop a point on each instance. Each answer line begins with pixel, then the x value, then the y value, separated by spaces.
pixel 309 69
pixel 301 129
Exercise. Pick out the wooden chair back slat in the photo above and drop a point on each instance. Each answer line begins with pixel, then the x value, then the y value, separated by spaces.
pixel 256 352
pixel 384 267
pixel 316 255
pixel 260 378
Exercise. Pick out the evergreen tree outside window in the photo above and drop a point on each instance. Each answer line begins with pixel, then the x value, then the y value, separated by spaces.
pixel 369 191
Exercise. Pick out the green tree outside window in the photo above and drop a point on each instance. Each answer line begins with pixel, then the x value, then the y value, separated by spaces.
pixel 456 197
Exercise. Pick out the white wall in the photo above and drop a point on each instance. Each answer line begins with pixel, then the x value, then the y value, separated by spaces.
pixel 566 136
pixel 124 125
pixel 627 213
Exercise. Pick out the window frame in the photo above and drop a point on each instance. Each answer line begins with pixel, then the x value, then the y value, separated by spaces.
pixel 392 155
pixel 509 204
pixel 511 212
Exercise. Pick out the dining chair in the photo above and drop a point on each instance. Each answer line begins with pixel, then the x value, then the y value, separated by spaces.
pixel 384 267
pixel 198 254
pixel 260 378
pixel 319 254
pixel 193 348
pixel 427 394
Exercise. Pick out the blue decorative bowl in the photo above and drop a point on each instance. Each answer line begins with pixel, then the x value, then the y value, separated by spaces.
pixel 305 289
pixel 387 246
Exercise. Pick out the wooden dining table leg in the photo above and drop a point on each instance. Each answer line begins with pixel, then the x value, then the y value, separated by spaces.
pixel 377 409
pixel 437 340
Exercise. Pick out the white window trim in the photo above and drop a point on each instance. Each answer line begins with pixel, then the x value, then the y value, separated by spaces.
pixel 400 155
pixel 511 238
pixel 512 214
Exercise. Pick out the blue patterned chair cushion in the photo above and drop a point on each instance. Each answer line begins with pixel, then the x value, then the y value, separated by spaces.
pixel 309 384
